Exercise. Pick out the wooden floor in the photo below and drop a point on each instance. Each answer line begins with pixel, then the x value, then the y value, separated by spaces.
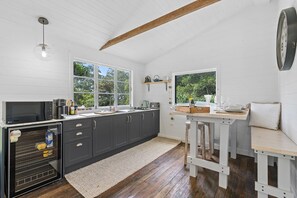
pixel 167 177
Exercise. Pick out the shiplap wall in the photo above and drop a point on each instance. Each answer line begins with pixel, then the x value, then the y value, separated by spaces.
pixel 288 98
pixel 242 48
pixel 25 77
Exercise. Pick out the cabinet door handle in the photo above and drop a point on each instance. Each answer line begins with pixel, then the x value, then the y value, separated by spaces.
pixel 130 118
pixel 95 124
pixel 78 125
pixel 79 145
pixel 79 133
pixel 153 114
pixel 143 116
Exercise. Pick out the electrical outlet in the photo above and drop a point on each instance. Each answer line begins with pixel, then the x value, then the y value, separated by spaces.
pixel 171 121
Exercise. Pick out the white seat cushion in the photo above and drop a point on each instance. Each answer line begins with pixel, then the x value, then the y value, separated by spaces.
pixel 265 115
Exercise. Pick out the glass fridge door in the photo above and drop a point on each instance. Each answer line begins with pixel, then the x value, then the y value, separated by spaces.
pixel 35 157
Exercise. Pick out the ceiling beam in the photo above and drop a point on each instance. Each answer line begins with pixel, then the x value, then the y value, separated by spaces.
pixel 187 9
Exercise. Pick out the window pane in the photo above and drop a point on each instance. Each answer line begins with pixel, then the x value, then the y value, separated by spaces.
pixel 195 86
pixel 106 73
pixel 123 88
pixel 83 85
pixel 123 99
pixel 86 99
pixel 123 76
pixel 106 99
pixel 105 86
pixel 83 69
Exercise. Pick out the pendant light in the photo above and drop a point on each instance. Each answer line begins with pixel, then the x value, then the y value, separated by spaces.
pixel 42 50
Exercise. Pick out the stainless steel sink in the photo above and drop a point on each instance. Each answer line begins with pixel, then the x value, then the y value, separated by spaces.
pixel 126 110
pixel 105 112
pixel 94 114
pixel 89 114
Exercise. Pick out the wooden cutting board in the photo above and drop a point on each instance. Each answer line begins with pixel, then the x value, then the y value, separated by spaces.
pixel 195 109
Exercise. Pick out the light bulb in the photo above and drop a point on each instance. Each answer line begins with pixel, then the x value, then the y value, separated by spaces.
pixel 43 52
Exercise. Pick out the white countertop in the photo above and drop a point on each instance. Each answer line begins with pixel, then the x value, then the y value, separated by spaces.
pixel 73 117
pixel 214 114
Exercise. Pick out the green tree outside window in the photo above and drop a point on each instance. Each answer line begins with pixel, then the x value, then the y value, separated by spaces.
pixel 194 85
pixel 100 83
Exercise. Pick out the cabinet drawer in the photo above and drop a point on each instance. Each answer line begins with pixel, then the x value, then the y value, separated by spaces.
pixel 70 136
pixel 77 124
pixel 77 151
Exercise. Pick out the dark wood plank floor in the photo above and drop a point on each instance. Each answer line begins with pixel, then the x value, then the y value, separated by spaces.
pixel 167 177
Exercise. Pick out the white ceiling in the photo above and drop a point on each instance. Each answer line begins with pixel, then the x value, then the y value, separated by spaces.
pixel 93 22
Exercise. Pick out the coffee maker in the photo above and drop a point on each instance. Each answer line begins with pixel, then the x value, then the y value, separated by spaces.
pixel 59 108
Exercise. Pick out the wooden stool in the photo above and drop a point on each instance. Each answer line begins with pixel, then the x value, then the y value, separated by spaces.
pixel 188 126
pixel 210 149
pixel 200 126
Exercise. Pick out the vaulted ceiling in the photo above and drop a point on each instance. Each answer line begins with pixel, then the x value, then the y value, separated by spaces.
pixel 93 22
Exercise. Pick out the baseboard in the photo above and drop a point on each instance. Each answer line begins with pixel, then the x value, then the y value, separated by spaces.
pixel 245 152
pixel 294 191
pixel 239 151
pixel 170 137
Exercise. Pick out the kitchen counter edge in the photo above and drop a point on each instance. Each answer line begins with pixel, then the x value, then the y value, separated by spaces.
pixel 74 117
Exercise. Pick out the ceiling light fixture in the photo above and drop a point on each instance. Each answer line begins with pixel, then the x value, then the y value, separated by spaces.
pixel 43 49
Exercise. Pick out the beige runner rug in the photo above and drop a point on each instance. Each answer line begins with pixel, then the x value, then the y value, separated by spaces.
pixel 96 178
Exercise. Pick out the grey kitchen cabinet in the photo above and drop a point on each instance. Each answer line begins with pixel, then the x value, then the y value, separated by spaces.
pixel 77 124
pixel 77 151
pixel 156 120
pixel 76 134
pixel 103 136
pixel 147 124
pixel 77 141
pixel 134 127
pixel 150 124
pixel 88 140
pixel 120 124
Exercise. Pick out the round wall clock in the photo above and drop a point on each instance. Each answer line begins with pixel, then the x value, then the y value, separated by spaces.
pixel 286 38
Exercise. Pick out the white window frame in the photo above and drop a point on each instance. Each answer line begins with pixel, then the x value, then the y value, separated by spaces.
pixel 218 94
pixel 96 80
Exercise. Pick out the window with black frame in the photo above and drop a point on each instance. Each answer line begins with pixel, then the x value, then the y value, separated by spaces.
pixel 195 85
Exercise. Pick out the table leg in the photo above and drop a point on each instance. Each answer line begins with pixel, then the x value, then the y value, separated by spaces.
pixel 283 174
pixel 193 149
pixel 212 134
pixel 224 144
pixel 233 142
pixel 186 145
pixel 262 172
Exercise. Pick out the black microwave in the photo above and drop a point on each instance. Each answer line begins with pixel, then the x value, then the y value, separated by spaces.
pixel 22 112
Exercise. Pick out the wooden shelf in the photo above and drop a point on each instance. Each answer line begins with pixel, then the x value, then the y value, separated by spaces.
pixel 159 82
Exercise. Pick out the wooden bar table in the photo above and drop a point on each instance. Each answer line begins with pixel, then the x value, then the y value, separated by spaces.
pixel 224 120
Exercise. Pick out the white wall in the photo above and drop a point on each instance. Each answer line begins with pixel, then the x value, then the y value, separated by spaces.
pixel 242 48
pixel 288 98
pixel 25 77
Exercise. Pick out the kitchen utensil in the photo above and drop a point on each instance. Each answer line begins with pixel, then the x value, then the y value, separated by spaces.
pixel 157 78
pixel 147 79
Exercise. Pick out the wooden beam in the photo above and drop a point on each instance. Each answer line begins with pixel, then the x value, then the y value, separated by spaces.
pixel 187 9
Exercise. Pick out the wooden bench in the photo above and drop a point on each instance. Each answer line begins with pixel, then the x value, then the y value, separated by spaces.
pixel 266 143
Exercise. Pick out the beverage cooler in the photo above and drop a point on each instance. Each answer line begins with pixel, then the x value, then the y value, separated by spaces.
pixel 34 157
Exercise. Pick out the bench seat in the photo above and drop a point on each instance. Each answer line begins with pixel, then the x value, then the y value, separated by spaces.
pixel 266 142
pixel 272 141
